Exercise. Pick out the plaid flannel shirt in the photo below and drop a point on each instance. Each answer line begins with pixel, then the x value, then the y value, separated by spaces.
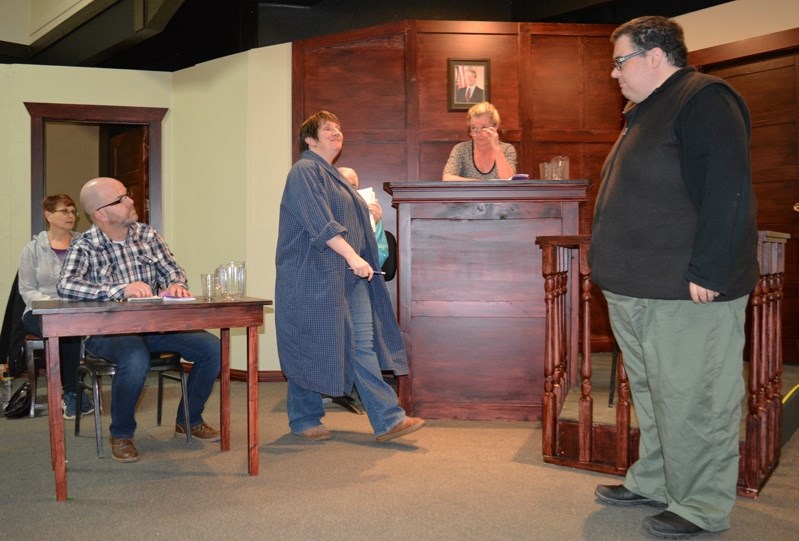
pixel 98 269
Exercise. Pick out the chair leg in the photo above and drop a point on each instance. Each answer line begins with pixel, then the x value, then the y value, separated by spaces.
pixel 160 398
pixel 31 361
pixel 98 427
pixel 184 393
pixel 81 385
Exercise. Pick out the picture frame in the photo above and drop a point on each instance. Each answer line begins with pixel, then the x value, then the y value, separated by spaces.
pixel 463 74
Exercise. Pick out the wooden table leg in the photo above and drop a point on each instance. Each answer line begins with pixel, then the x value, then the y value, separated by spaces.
pixel 252 400
pixel 57 448
pixel 224 390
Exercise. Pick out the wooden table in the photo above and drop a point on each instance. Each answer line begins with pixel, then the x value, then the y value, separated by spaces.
pixel 78 318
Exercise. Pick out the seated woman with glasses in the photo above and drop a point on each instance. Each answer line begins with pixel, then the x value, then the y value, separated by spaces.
pixel 484 156
pixel 39 267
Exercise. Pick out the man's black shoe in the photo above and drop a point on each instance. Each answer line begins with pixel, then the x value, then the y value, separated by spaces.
pixel 670 526
pixel 619 495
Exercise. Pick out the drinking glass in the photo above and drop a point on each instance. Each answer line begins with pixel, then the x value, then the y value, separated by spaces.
pixel 241 271
pixel 232 280
pixel 222 282
pixel 207 284
pixel 560 168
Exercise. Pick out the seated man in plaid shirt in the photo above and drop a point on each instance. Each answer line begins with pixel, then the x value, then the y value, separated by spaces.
pixel 119 258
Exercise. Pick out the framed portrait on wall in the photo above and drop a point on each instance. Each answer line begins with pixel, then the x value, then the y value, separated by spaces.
pixel 467 82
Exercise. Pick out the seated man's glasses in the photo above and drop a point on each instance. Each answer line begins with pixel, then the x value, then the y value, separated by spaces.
pixel 619 61
pixel 117 201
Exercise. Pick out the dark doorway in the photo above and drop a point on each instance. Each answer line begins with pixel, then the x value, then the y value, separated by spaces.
pixel 131 141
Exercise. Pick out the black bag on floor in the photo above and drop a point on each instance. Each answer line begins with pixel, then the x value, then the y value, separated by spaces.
pixel 20 403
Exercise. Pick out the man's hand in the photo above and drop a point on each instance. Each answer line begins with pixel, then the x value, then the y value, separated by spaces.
pixel 137 290
pixel 176 290
pixel 701 295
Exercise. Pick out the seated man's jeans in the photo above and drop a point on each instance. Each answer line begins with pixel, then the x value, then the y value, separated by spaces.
pixel 131 355
pixel 305 407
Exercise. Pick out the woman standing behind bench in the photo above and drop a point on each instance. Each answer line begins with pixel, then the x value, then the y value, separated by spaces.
pixel 485 156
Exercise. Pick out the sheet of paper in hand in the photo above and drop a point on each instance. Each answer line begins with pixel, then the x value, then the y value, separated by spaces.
pixel 369 196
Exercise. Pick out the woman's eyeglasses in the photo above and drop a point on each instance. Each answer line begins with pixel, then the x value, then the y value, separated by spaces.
pixel 67 212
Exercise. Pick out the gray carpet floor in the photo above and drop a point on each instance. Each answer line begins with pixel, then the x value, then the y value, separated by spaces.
pixel 453 480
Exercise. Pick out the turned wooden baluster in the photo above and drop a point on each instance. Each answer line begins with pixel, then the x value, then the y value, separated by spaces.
pixel 549 409
pixel 557 257
pixel 561 375
pixel 623 417
pixel 586 406
pixel 776 362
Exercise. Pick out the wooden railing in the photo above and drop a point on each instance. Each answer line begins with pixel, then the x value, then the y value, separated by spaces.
pixel 609 448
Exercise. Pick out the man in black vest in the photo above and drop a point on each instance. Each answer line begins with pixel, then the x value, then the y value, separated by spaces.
pixel 674 250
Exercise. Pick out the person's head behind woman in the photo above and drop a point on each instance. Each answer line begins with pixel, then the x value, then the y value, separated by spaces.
pixel 59 204
pixel 478 112
pixel 310 128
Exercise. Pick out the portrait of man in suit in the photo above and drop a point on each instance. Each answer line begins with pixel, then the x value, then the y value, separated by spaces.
pixel 468 83
pixel 471 93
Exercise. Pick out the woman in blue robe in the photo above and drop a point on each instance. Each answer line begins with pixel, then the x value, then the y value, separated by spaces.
pixel 335 323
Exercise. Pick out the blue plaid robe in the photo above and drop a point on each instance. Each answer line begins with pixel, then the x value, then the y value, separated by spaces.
pixel 312 318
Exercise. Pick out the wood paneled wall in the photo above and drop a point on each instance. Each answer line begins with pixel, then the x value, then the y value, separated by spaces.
pixel 388 85
pixel 765 70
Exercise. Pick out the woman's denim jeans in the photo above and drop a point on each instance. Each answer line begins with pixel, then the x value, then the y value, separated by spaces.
pixel 305 408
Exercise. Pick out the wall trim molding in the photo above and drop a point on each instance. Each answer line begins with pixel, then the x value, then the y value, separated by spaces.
pixel 737 50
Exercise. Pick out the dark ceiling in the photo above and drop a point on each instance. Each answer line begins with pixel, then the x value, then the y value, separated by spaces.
pixel 183 33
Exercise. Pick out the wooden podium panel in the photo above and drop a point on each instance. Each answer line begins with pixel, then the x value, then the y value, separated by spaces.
pixel 471 295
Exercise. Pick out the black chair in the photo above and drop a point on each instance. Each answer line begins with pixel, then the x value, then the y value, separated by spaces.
pixel 390 264
pixel 347 402
pixel 96 367
pixel 33 344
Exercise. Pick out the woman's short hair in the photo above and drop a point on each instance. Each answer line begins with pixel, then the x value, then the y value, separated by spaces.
pixel 52 202
pixel 652 31
pixel 483 108
pixel 310 128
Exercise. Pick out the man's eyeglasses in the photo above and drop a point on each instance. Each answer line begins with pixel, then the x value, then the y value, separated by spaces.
pixel 67 212
pixel 619 61
pixel 117 201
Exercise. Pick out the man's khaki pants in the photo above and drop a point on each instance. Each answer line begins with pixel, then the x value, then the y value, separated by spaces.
pixel 684 363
